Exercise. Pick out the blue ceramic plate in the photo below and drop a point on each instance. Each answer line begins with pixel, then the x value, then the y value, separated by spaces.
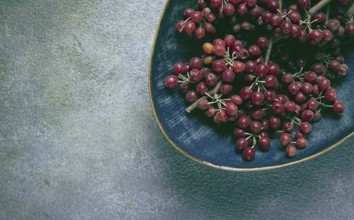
pixel 197 139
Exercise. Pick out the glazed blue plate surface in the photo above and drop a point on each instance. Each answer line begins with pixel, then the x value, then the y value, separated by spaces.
pixel 200 140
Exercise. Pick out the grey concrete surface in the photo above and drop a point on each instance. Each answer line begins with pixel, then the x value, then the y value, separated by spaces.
pixel 78 139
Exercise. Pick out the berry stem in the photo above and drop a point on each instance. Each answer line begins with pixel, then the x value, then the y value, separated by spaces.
pixel 190 108
pixel 269 51
pixel 318 6
pixel 350 12
pixel 327 12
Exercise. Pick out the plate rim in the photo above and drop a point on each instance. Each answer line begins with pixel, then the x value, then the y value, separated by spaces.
pixel 195 159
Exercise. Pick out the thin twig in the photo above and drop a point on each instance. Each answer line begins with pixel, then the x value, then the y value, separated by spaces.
pixel 190 108
pixel 318 6
pixel 269 51
pixel 350 12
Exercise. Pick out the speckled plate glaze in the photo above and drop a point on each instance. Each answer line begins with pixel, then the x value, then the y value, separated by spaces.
pixel 196 138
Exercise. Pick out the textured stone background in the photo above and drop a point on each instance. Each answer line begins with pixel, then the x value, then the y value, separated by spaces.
pixel 78 139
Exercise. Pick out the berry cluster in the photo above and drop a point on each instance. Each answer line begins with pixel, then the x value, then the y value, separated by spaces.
pixel 272 74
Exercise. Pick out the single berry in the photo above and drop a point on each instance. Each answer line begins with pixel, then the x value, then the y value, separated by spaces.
pixel 255 127
pixel 290 151
pixel 236 99
pixel 178 68
pixel 244 122
pixel 307 115
pixel 301 143
pixel 196 75
pixel 264 143
pixel 257 98
pixel 338 106
pixel 248 153
pixel 210 112
pixel 231 109
pixel 220 117
pixel 191 96
pixel 203 104
pixel 305 128
pixel 285 139
pixel 241 144
pixel 171 82
pixel 239 133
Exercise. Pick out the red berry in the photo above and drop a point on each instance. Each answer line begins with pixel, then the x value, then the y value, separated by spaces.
pixel 288 126
pixel 219 50
pixel 238 67
pixel 171 82
pixel 244 122
pixel 211 79
pixel 188 12
pixel 294 17
pixel 304 4
pixel 271 81
pixel 246 93
pixel 349 29
pixel 228 76
pixel 278 107
pixel 199 33
pixel 290 151
pixel 241 144
pixel 273 69
pixel 210 112
pixel 228 9
pixel 226 89
pixel 191 96
pixel 203 104
pixel 338 106
pixel 261 70
pixel 312 104
pixel 257 98
pixel 178 68
pixel 298 134
pixel 330 95
pixel 219 65
pixel 254 50
pixel 293 88
pixel 324 84
pixel 215 3
pixel 290 107
pixel 248 153
pixel 195 63
pixel 305 128
pixel 307 115
pixel 263 43
pixel 189 27
pixel 180 26
pixel 229 40
pixel 285 139
pixel 258 114
pixel 269 96
pixel 301 143
pixel 195 75
pixel 264 143
pixel 231 109
pixel 315 36
pixel 255 127
pixel 197 17
pixel 236 99
pixel 239 133
pixel 220 117
pixel 201 88
pixel 274 122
